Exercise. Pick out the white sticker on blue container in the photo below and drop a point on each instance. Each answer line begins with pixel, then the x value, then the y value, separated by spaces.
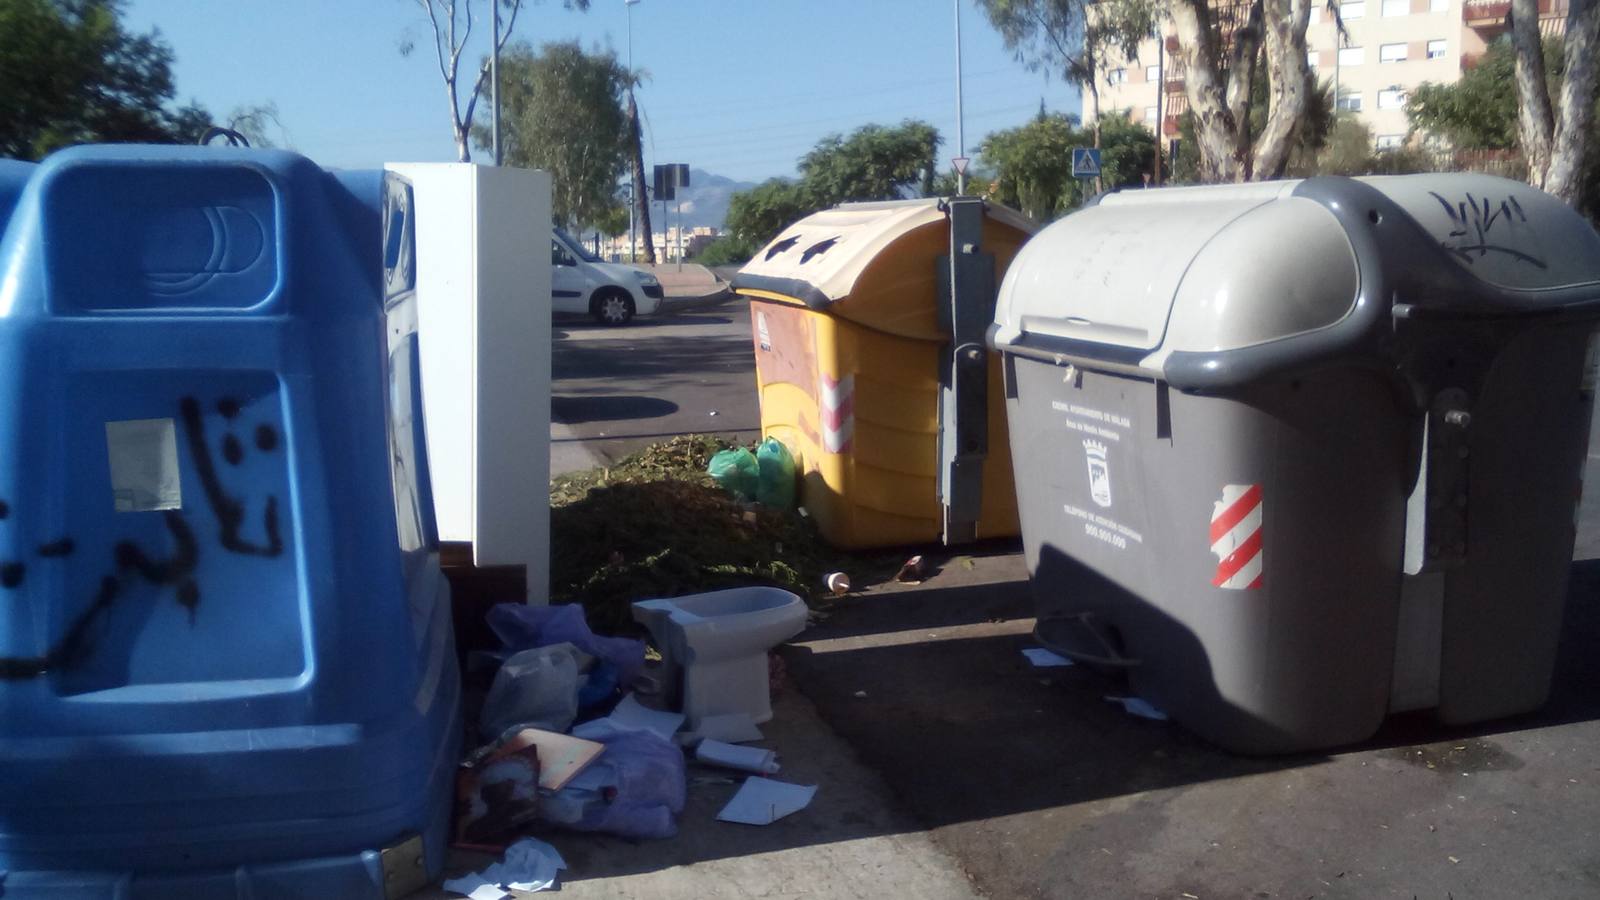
pixel 144 465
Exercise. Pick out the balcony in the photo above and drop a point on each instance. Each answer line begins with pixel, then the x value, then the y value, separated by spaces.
pixel 1488 17
pixel 1478 13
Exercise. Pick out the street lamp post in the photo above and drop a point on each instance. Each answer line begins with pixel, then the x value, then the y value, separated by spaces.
pixel 633 199
pixel 494 82
pixel 961 135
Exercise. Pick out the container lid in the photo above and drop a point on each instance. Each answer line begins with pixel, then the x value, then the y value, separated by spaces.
pixel 819 259
pixel 1110 273
pixel 1286 272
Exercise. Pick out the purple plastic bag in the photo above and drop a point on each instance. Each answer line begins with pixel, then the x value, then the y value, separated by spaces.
pixel 523 627
pixel 635 789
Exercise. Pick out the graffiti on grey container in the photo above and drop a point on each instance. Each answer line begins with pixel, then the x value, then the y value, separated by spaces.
pixel 1472 226
pixel 131 561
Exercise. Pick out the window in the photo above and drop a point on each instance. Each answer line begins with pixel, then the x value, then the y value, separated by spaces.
pixel 1352 56
pixel 1438 5
pixel 1391 98
pixel 1390 141
pixel 1389 53
pixel 1118 76
pixel 1349 101
pixel 1149 115
pixel 1436 49
pixel 1152 73
pixel 1348 11
pixel 1396 8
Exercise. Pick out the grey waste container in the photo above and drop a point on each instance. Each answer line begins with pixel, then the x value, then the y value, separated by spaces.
pixel 1297 455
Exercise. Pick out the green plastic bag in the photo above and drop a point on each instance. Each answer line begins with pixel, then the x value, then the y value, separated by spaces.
pixel 737 471
pixel 776 487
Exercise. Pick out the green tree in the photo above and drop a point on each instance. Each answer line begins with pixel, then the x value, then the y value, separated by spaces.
pixel 1073 39
pixel 1347 150
pixel 1127 150
pixel 1479 112
pixel 1248 82
pixel 875 162
pixel 561 111
pixel 757 215
pixel 726 251
pixel 451 22
pixel 1306 140
pixel 1032 163
pixel 71 74
pixel 613 221
pixel 1555 128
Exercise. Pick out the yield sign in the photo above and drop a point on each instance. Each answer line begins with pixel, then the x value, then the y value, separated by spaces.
pixel 961 164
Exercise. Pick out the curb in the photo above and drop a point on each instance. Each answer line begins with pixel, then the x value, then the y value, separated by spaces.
pixel 702 301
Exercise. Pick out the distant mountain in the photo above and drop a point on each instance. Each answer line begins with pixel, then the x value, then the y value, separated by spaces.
pixel 705 201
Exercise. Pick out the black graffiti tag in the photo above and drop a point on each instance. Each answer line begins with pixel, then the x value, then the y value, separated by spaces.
pixel 133 563
pixel 228 509
pixel 1472 221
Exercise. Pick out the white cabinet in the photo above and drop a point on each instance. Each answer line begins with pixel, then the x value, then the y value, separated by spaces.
pixel 483 294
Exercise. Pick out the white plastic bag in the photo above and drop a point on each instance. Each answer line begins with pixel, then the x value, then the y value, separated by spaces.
pixel 536 688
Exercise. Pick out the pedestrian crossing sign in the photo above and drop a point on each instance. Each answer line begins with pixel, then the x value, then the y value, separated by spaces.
pixel 1085 162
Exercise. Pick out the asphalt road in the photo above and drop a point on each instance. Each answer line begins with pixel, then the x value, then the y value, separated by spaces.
pixel 616 390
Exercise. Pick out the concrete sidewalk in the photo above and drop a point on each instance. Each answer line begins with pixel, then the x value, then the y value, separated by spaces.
pixel 689 286
pixel 853 841
pixel 1041 788
pixel 947 766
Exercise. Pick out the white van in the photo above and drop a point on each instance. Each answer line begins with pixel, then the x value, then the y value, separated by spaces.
pixel 582 283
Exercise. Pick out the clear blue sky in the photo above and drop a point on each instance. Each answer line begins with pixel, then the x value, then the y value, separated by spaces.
pixel 740 88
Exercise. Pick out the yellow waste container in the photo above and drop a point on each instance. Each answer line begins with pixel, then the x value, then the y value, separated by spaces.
pixel 849 313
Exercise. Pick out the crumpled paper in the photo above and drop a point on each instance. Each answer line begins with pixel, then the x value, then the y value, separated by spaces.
pixel 528 865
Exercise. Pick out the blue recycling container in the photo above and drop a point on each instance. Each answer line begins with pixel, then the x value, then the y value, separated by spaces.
pixel 226 662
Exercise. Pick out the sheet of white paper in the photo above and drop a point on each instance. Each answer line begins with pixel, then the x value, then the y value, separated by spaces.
pixel 528 865
pixel 631 715
pixel 748 759
pixel 1045 659
pixel 762 801
pixel 1138 706
pixel 733 728
pixel 474 887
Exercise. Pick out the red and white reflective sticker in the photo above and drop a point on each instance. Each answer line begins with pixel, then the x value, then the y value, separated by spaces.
pixel 1236 537
pixel 838 396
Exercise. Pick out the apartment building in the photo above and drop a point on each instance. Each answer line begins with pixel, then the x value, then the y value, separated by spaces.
pixel 1390 47
pixel 693 240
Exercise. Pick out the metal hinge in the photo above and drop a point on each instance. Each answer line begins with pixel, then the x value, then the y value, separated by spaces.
pixel 405 868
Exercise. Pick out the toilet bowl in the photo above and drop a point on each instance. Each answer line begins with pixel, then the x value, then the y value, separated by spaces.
pixel 714 646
